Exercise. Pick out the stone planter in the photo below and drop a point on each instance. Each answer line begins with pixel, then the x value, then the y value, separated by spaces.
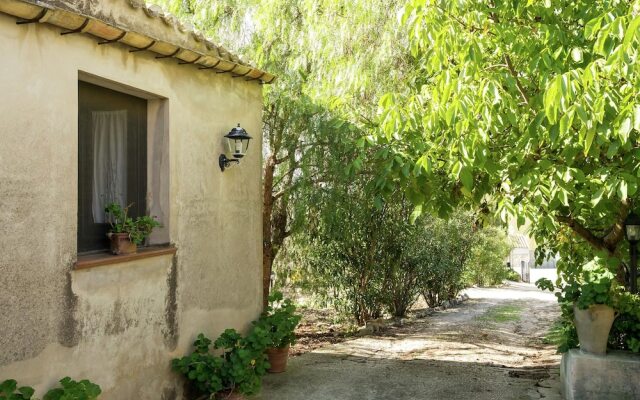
pixel 122 244
pixel 593 326
pixel 278 359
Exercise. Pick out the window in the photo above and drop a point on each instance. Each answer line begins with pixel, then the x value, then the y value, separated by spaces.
pixel 112 159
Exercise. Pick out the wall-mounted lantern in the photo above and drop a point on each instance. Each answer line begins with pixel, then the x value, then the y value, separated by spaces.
pixel 632 232
pixel 238 142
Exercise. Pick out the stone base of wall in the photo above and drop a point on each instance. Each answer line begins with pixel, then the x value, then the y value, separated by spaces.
pixel 615 376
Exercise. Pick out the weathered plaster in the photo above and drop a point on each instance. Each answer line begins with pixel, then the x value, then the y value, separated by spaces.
pixel 170 332
pixel 120 325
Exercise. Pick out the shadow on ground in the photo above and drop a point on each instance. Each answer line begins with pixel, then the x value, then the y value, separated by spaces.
pixel 327 376
pixel 476 351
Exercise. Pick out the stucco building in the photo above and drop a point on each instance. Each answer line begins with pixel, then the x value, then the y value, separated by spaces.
pixel 75 75
pixel 522 257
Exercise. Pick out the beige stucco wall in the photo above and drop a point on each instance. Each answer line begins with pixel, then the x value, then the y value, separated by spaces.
pixel 119 325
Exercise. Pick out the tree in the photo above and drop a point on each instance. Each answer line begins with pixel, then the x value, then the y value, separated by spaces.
pixel 524 108
pixel 447 247
pixel 329 57
pixel 485 265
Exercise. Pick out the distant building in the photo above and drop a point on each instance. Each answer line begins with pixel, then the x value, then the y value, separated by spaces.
pixel 522 258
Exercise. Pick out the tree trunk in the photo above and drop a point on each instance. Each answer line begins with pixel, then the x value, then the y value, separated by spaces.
pixel 609 242
pixel 267 244
pixel 275 220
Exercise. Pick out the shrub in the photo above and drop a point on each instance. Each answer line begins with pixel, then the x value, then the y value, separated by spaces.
pixel 239 367
pixel 596 284
pixel 447 249
pixel 70 390
pixel 625 332
pixel 9 390
pixel 512 275
pixel 485 265
pixel 279 320
pixel 345 262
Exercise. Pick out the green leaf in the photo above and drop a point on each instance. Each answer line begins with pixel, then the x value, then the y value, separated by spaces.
pixel 26 391
pixel 622 190
pixel 417 212
pixel 625 128
pixel 551 99
pixel 565 123
pixel 591 133
pixel 466 177
pixel 424 163
pixel 613 149
pixel 632 31
pixel 597 197
pixel 563 195
pixel 576 54
pixel 592 27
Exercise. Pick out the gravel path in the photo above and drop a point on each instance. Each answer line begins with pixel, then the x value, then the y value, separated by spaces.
pixel 489 347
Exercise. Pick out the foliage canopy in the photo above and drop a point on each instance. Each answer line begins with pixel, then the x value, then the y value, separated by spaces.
pixel 524 108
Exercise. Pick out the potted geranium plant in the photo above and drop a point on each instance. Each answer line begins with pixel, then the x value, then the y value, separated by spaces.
pixel 233 372
pixel 127 233
pixel 280 321
pixel 591 296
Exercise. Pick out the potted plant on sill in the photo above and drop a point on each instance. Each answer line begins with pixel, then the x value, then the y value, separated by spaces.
pixel 280 321
pixel 591 298
pixel 231 375
pixel 127 233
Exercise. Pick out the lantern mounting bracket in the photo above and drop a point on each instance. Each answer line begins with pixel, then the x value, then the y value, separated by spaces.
pixel 225 162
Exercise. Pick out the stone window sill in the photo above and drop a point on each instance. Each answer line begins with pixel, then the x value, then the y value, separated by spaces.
pixel 105 258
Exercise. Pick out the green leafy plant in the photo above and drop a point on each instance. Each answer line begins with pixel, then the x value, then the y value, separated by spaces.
pixel 9 390
pixel 485 265
pixel 239 367
pixel 594 285
pixel 73 390
pixel 563 335
pixel 279 320
pixel 625 332
pixel 70 390
pixel 138 229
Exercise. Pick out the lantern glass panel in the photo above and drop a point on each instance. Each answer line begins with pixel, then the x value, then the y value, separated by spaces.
pixel 633 233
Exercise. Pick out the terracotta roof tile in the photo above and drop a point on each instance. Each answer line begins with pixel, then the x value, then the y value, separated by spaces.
pixel 135 24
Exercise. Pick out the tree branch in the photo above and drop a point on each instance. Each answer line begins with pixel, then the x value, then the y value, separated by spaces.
pixel 583 232
pixel 616 234
pixel 514 73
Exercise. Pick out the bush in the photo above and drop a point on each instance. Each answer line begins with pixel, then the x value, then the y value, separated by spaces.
pixel 279 320
pixel 70 390
pixel 486 266
pixel 625 332
pixel 594 283
pixel 380 261
pixel 447 249
pixel 9 390
pixel 346 251
pixel 239 367
pixel 512 275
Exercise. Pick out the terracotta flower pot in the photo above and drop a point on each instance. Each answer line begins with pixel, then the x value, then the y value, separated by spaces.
pixel 278 358
pixel 593 326
pixel 229 396
pixel 122 244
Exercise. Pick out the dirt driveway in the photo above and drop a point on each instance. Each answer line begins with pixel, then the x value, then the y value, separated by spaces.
pixel 490 347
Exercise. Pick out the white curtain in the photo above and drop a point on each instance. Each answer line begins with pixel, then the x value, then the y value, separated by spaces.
pixel 109 160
